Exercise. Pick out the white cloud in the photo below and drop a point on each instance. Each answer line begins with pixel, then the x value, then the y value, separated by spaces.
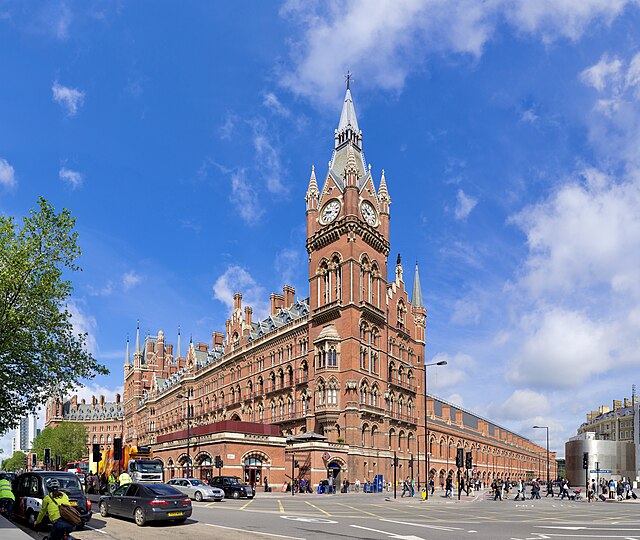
pixel 587 233
pixel 71 99
pixel 465 312
pixel 245 198
pixel 227 128
pixel 464 205
pixel 600 75
pixel 383 41
pixel 272 102
pixel 268 158
pixel 130 279
pixel 288 263
pixel 563 349
pixel 87 392
pixel 7 174
pixel 73 178
pixel 84 323
pixel 237 279
pixel 520 405
pixel 455 399
pixel 457 370
pixel 529 116
pixel 102 291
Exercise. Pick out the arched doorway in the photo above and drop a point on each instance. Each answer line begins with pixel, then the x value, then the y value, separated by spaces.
pixel 252 471
pixel 333 471
pixel 203 463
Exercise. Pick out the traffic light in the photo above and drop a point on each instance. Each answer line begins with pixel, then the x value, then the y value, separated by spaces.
pixel 468 461
pixel 26 463
pixel 34 460
pixel 218 463
pixel 117 449
pixel 459 458
pixel 411 462
pixel 97 454
pixel 296 465
pixel 47 456
pixel 395 461
pixel 585 460
pixel 58 461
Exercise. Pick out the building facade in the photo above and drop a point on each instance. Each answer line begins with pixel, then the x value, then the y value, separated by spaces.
pixel 26 431
pixel 335 379
pixel 611 437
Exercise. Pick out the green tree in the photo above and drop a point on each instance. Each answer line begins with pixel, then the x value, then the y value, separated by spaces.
pixel 67 440
pixel 40 353
pixel 15 462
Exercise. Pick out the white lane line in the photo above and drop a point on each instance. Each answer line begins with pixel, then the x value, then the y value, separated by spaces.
pixel 438 527
pixel 389 534
pixel 97 530
pixel 254 532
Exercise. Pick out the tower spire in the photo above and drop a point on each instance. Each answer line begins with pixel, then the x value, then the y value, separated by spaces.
pixel 348 116
pixel 179 346
pixel 137 351
pixel 127 359
pixel 416 297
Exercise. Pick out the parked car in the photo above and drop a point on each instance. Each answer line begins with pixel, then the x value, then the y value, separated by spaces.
pixel 232 486
pixel 196 489
pixel 30 488
pixel 146 502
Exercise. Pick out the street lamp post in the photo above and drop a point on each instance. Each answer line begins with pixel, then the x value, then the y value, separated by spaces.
pixel 182 396
pixel 426 429
pixel 547 428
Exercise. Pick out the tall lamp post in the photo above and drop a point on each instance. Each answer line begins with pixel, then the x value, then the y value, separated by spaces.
pixel 547 428
pixel 182 396
pixel 426 430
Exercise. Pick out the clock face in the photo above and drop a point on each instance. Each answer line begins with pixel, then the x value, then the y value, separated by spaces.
pixel 368 213
pixel 330 212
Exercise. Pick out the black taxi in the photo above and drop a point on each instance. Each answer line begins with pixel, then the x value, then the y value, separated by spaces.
pixel 31 487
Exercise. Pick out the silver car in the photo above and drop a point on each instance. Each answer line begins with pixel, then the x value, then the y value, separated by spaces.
pixel 196 489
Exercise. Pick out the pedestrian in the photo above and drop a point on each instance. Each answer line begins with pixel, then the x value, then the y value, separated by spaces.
pixel 124 478
pixel 432 485
pixel 357 485
pixel 449 487
pixel 537 487
pixel 51 509
pixel 497 486
pixel 549 489
pixel 591 494
pixel 7 498
pixel 520 492
pixel 405 487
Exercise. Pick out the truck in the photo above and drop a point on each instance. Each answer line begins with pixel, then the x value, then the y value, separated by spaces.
pixel 139 463
pixel 136 460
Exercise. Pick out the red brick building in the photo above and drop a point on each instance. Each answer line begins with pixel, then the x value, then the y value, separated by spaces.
pixel 340 374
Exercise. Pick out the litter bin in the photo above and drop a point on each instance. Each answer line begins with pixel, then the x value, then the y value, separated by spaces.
pixel 366 487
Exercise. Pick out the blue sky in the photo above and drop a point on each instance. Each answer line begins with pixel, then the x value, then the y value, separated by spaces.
pixel 181 136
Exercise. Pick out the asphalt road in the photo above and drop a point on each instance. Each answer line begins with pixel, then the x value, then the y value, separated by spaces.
pixel 376 517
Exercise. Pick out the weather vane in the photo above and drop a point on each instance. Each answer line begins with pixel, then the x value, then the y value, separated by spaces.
pixel 349 77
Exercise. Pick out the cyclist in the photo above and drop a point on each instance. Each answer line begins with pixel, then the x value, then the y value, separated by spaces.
pixel 51 508
pixel 7 497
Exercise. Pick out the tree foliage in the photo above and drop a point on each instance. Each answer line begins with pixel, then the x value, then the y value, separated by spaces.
pixel 67 440
pixel 40 352
pixel 15 462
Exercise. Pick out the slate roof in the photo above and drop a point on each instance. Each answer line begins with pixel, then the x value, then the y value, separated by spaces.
pixel 108 411
pixel 273 322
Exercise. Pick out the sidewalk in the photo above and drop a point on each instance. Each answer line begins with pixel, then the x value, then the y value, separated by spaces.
pixel 8 531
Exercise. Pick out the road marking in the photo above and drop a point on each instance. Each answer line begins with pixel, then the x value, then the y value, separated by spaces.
pixel 281 507
pixel 359 510
pixel 584 528
pixel 244 506
pixel 97 530
pixel 254 532
pixel 389 534
pixel 438 527
pixel 310 519
pixel 319 509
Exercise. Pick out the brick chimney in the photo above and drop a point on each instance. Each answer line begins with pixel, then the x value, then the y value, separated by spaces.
pixel 248 312
pixel 117 398
pixel 101 401
pixel 217 338
pixel 94 401
pixel 446 413
pixel 289 295
pixel 277 301
pixel 237 301
pixel 459 417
